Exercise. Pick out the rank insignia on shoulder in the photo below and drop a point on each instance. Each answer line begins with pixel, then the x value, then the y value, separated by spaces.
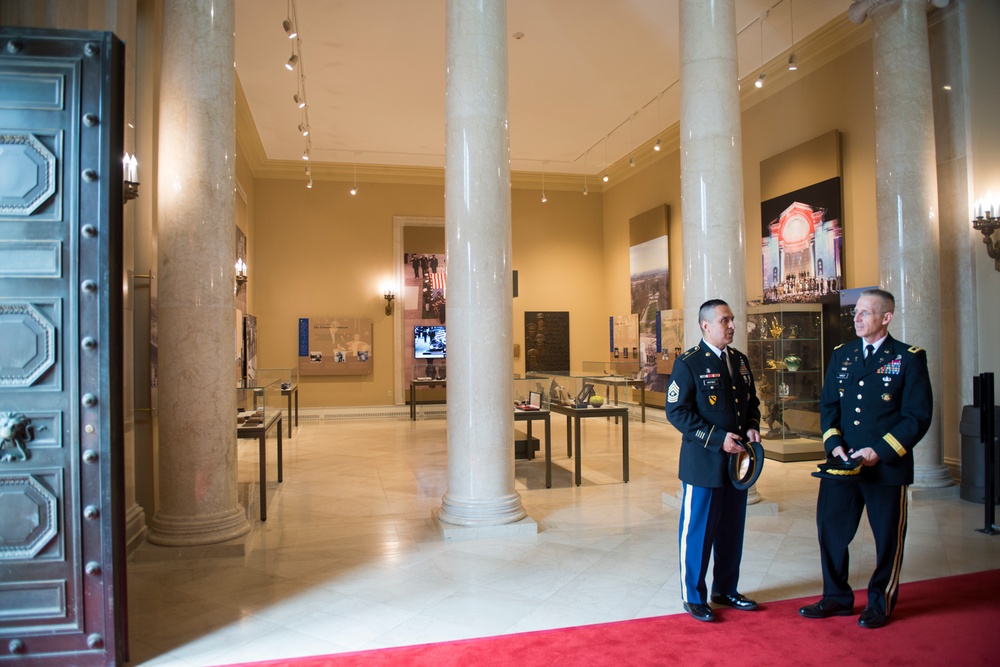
pixel 915 349
pixel 673 392
pixel 712 400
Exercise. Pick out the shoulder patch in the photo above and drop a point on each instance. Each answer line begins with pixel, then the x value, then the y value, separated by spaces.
pixel 915 349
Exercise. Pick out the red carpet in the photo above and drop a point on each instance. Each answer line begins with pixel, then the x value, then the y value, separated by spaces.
pixel 953 620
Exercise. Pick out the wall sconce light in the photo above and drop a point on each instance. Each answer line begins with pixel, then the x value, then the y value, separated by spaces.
pixel 130 178
pixel 987 222
pixel 241 272
pixel 388 296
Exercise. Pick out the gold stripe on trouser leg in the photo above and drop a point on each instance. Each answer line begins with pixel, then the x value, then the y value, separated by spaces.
pixel 897 562
pixel 686 502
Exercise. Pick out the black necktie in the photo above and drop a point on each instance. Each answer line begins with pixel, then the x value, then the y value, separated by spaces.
pixel 869 351
pixel 725 369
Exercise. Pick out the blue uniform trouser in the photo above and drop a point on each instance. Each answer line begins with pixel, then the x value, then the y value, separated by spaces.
pixel 838 514
pixel 711 519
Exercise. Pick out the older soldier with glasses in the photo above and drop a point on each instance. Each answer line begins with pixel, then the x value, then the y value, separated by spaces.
pixel 875 407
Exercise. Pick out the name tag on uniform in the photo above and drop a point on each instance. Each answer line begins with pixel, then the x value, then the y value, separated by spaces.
pixel 710 380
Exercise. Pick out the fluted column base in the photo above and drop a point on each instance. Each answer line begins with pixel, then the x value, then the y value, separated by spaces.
pixel 189 531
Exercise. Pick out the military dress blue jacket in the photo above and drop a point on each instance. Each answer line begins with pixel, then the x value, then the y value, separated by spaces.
pixel 885 404
pixel 704 409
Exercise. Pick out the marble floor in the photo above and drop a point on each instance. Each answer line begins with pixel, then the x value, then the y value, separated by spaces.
pixel 350 558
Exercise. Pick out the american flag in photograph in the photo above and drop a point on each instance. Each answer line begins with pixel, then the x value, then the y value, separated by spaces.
pixel 438 280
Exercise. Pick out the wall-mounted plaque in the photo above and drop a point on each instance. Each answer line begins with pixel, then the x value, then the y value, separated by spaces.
pixel 335 346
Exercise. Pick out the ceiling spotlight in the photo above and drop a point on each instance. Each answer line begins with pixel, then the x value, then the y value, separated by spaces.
pixel 584 190
pixel 544 198
pixel 354 190
pixel 658 144
pixel 305 154
pixel 760 79
pixel 310 184
pixel 290 65
pixel 793 63
pixel 289 30
pixel 605 179
pixel 299 101
pixel 304 129
pixel 631 161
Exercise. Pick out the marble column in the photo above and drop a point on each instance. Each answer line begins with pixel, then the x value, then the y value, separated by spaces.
pixel 714 254
pixel 712 234
pixel 478 236
pixel 906 195
pixel 198 500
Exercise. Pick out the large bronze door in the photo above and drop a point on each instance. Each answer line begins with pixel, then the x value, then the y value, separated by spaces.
pixel 62 594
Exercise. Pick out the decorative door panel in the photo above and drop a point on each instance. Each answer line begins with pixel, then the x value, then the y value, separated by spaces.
pixel 62 595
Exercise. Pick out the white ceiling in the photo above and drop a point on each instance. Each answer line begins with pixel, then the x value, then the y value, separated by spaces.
pixel 587 77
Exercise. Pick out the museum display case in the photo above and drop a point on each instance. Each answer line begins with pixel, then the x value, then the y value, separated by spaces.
pixel 428 381
pixel 258 404
pixel 577 397
pixel 618 379
pixel 287 380
pixel 582 390
pixel 531 393
pixel 258 414
pixel 620 368
pixel 785 348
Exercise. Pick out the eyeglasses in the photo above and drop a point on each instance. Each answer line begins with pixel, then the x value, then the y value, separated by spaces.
pixel 865 314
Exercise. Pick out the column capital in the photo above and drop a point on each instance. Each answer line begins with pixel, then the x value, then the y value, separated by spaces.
pixel 862 9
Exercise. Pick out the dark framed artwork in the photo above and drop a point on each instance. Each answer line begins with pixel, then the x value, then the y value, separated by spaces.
pixel 802 245
pixel 546 337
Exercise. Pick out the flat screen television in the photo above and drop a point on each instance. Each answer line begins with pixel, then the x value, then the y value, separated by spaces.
pixel 429 342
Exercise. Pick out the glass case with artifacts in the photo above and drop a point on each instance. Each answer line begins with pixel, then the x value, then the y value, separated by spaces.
pixel 531 393
pixel 583 391
pixel 284 377
pixel 287 380
pixel 258 405
pixel 785 348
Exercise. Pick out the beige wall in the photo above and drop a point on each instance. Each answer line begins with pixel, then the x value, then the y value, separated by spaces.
pixel 324 253
pixel 837 96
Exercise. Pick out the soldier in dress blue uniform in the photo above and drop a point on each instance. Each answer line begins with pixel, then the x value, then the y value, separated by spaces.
pixel 713 402
pixel 875 407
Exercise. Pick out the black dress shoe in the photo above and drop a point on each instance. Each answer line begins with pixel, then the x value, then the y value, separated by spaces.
pixel 872 618
pixel 734 600
pixel 825 608
pixel 700 612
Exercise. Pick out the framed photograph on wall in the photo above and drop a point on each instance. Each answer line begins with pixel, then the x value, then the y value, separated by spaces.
pixel 802 253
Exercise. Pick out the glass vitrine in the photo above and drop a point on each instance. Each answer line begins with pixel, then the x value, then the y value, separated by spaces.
pixel 785 348
pixel 258 405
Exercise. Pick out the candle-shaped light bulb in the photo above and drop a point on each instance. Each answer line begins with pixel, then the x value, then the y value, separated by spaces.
pixel 133 169
pixel 125 164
